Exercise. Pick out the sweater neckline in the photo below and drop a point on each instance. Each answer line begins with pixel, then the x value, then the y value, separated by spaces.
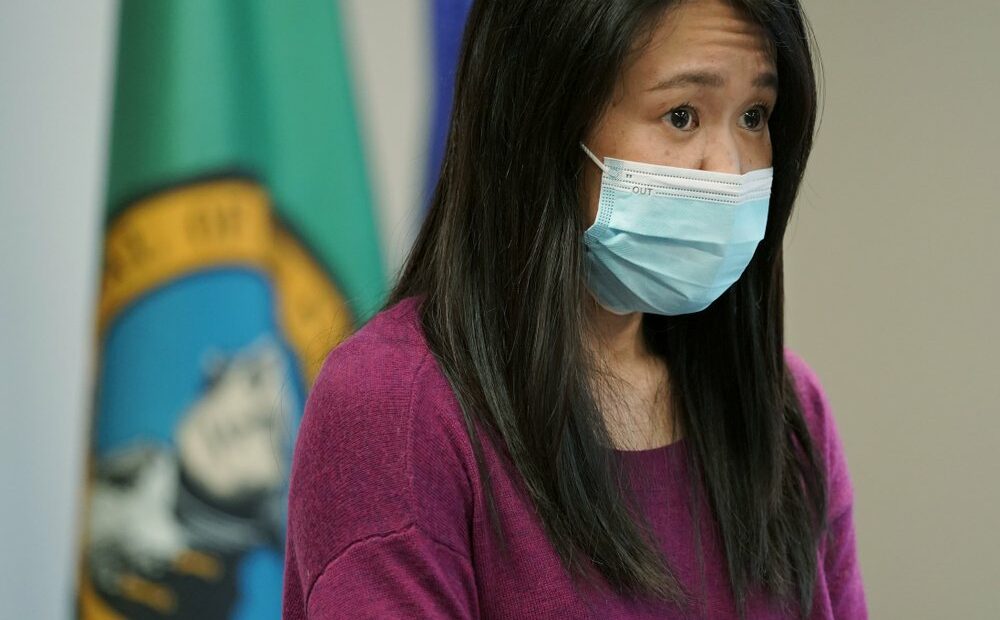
pixel 653 470
pixel 651 454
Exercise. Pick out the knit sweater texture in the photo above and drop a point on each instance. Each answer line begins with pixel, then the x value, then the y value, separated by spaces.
pixel 387 518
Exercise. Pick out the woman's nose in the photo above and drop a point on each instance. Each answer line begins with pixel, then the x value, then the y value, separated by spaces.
pixel 722 154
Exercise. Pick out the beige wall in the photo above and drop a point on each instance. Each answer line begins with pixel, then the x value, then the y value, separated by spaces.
pixel 893 285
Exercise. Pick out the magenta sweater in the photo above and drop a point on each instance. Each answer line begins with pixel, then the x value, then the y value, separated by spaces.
pixel 387 517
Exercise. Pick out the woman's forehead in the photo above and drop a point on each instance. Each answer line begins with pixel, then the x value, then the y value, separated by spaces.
pixel 702 36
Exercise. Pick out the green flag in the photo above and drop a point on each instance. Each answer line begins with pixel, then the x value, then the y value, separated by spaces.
pixel 240 246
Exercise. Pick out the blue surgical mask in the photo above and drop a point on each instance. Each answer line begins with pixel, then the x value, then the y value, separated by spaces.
pixel 671 240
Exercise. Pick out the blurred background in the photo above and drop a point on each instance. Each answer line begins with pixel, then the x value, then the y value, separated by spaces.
pixel 892 279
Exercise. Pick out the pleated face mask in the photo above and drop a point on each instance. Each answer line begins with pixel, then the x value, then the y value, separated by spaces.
pixel 672 240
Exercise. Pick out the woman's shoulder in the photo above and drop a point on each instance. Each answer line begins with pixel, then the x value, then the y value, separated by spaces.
pixel 380 448
pixel 823 428
pixel 380 378
pixel 377 389
pixel 395 329
pixel 810 391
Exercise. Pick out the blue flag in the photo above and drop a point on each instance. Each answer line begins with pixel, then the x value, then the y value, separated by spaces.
pixel 448 21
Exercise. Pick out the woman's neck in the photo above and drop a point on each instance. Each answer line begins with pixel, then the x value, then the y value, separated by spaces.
pixel 637 412
pixel 615 338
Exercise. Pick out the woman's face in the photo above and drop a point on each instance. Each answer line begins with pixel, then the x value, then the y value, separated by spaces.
pixel 697 96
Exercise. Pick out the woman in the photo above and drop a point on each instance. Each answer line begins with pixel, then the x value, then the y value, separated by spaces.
pixel 577 401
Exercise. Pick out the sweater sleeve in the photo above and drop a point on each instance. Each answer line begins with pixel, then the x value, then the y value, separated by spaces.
pixel 840 557
pixel 379 503
pixel 403 574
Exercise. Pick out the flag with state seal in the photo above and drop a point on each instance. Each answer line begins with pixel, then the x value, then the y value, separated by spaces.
pixel 239 247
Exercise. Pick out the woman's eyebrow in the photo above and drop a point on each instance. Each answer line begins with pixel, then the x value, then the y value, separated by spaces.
pixel 767 79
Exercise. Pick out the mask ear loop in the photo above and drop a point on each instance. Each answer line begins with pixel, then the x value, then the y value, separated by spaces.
pixel 593 157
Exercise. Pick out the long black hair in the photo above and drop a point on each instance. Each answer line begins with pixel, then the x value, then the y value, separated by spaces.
pixel 498 263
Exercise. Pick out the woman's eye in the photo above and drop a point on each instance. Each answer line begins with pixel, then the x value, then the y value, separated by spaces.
pixel 754 118
pixel 682 118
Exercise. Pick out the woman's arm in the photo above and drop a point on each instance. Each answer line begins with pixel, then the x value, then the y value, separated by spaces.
pixel 839 550
pixel 379 501
pixel 402 574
